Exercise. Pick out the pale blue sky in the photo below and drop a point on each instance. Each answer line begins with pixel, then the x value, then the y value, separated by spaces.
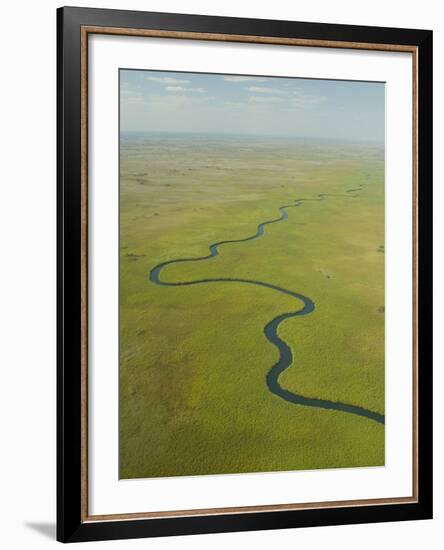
pixel 161 101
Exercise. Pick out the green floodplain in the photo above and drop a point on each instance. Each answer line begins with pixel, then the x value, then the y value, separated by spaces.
pixel 194 359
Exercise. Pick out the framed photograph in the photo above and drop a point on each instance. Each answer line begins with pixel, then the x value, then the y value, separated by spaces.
pixel 244 274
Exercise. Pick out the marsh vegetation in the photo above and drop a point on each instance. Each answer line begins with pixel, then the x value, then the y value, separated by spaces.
pixel 194 358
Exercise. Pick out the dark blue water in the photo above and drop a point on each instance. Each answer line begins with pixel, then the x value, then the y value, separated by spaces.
pixel 271 329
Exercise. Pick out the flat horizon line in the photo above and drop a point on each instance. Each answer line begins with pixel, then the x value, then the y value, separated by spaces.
pixel 252 135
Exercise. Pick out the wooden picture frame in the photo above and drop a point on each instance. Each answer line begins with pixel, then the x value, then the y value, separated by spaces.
pixel 74 26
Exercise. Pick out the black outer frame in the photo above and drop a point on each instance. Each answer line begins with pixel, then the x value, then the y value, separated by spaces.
pixel 69 524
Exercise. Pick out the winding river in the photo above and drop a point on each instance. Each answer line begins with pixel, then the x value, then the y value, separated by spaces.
pixel 271 329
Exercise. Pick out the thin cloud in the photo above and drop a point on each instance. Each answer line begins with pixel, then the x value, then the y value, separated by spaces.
pixel 243 79
pixel 129 96
pixel 264 90
pixel 301 99
pixel 173 100
pixel 175 89
pixel 168 80
pixel 185 89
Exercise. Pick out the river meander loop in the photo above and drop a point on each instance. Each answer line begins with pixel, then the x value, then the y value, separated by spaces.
pixel 271 328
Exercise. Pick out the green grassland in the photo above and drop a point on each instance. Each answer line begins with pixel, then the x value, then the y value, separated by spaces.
pixel 193 359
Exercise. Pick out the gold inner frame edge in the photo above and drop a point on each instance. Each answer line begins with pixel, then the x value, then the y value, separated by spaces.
pixel 85 32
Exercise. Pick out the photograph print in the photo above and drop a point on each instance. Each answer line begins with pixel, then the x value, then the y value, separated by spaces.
pixel 251 278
